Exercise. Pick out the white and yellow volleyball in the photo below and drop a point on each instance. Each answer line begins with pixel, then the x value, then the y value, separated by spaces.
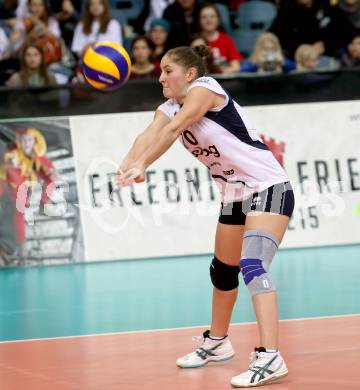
pixel 106 65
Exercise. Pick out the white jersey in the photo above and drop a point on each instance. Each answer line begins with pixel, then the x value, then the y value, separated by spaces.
pixel 228 144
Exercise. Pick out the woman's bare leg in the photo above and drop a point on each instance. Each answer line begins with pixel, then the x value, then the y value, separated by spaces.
pixel 228 244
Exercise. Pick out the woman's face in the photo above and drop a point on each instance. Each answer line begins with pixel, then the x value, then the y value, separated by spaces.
pixel 158 36
pixel 141 52
pixel 268 46
pixel 32 58
pixel 27 143
pixel 173 79
pixel 37 8
pixel 96 8
pixel 311 62
pixel 209 21
pixel 354 48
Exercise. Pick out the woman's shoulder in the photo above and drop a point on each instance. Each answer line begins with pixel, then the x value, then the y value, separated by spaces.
pixel 14 80
pixel 114 23
pixel 206 82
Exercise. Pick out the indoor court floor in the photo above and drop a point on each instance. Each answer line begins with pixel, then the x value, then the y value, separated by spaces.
pixel 121 325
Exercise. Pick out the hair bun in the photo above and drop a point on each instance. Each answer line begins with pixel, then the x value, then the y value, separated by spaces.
pixel 203 51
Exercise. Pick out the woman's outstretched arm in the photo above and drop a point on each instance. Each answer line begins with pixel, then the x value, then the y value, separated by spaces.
pixel 159 136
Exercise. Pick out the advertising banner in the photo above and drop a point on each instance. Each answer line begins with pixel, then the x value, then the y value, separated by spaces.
pixel 175 211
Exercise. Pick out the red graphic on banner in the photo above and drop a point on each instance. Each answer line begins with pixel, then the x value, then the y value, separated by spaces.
pixel 277 148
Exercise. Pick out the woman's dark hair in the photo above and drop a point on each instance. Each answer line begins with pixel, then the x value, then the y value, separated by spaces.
pixel 213 6
pixel 191 57
pixel 25 73
pixel 87 18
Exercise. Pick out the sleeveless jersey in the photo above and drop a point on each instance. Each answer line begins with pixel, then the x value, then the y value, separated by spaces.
pixel 227 143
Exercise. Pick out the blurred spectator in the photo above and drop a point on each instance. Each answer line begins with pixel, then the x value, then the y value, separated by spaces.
pixel 141 66
pixel 267 57
pixel 159 31
pixel 67 13
pixel 96 25
pixel 198 40
pixel 302 21
pixel 351 11
pixel 153 9
pixel 40 29
pixel 182 16
pixel 345 22
pixel 224 50
pixel 33 70
pixel 352 55
pixel 307 58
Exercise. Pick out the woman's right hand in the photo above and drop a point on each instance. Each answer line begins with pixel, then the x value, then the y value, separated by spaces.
pixel 128 176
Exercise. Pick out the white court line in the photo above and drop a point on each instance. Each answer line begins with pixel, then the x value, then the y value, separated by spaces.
pixel 170 329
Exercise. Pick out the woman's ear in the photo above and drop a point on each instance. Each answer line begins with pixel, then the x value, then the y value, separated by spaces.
pixel 191 74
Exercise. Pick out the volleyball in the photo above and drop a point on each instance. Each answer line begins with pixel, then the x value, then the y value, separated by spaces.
pixel 106 65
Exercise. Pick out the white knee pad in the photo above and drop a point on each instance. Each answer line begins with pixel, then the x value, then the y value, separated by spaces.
pixel 258 251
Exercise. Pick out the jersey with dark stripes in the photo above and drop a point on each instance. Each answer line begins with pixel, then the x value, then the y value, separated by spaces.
pixel 228 144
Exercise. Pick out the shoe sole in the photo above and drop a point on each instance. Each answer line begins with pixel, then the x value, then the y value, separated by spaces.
pixel 265 381
pixel 202 364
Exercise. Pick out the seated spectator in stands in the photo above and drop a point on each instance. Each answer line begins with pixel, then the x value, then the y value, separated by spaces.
pixel 182 16
pixel 153 9
pixel 267 57
pixel 142 68
pixel 351 11
pixel 40 29
pixel 302 21
pixel 33 70
pixel 224 50
pixel 307 58
pixel 95 25
pixel 198 40
pixel 352 55
pixel 67 13
pixel 159 31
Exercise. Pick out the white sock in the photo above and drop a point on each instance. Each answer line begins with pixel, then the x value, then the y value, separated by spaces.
pixel 271 350
pixel 217 338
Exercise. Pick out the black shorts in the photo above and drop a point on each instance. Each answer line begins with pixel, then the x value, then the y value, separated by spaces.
pixel 278 199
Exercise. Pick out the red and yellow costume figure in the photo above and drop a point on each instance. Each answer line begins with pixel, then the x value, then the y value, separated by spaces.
pixel 25 164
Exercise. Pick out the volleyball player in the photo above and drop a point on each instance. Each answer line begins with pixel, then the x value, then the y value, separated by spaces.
pixel 257 202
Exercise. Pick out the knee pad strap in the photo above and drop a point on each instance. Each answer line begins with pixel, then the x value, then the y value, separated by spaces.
pixel 258 251
pixel 223 276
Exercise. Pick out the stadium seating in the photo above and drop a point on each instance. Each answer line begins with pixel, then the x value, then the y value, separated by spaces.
pixel 225 17
pixel 245 40
pixel 256 15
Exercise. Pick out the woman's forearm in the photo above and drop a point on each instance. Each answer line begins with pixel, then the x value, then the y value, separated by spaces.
pixel 158 146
